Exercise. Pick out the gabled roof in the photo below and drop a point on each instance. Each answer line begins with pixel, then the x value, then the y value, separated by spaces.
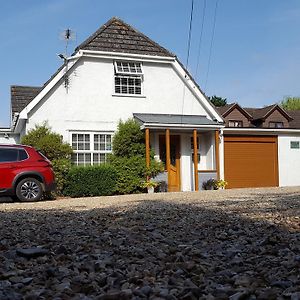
pixel 117 36
pixel 263 113
pixel 227 108
pixel 21 96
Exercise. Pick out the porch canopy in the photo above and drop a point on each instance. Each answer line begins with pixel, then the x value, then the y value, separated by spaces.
pixel 163 121
pixel 175 122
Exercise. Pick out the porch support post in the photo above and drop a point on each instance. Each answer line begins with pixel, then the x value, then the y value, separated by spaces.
pixel 195 159
pixel 168 155
pixel 217 153
pixel 147 140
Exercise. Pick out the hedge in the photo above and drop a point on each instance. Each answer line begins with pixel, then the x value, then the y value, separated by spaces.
pixel 91 181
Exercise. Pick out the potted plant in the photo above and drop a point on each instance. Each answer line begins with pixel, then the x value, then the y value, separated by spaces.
pixel 221 184
pixel 210 184
pixel 150 185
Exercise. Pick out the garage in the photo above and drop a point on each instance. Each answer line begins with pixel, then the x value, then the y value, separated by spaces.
pixel 250 161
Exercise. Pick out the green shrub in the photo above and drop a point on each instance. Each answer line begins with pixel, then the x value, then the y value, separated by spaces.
pixel 61 168
pixel 91 181
pixel 129 140
pixel 129 158
pixel 53 147
pixel 131 171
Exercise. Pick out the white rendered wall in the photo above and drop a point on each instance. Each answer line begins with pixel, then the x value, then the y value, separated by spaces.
pixel 288 161
pixel 9 139
pixel 90 104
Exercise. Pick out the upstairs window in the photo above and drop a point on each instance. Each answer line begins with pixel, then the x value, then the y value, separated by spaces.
pixel 234 123
pixel 129 68
pixel 276 125
pixel 128 78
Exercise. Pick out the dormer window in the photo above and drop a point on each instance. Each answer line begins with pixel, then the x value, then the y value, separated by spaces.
pixel 276 124
pixel 234 123
pixel 128 78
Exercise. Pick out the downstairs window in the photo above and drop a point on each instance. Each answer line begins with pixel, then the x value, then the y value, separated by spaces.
pixel 91 148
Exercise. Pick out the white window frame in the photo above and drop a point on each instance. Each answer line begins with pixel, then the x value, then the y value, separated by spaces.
pixel 118 71
pixel 128 74
pixel 92 151
pixel 235 123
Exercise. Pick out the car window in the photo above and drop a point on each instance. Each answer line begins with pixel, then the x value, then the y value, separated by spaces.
pixel 22 154
pixel 8 155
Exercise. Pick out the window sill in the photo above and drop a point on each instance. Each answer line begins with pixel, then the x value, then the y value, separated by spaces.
pixel 129 95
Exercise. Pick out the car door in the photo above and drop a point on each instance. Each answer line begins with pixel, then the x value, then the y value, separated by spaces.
pixel 8 160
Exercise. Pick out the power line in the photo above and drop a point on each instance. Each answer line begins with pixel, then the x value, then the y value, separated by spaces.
pixel 188 55
pixel 200 40
pixel 190 35
pixel 211 43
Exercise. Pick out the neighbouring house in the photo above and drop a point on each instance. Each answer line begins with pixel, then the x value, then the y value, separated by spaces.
pixel 119 73
pixel 261 146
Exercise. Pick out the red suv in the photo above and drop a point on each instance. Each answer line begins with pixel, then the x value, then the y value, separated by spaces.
pixel 24 172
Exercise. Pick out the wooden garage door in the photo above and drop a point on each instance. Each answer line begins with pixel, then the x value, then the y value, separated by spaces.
pixel 250 161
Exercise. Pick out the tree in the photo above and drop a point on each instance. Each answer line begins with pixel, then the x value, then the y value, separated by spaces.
pixel 218 101
pixel 291 103
pixel 52 146
pixel 129 158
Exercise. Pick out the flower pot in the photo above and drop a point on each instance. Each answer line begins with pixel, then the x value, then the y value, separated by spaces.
pixel 150 189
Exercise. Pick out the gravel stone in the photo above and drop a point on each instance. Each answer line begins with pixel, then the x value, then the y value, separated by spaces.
pixel 229 244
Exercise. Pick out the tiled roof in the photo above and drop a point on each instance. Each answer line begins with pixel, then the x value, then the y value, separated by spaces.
pixel 295 114
pixel 21 96
pixel 117 36
pixel 260 113
pixel 223 109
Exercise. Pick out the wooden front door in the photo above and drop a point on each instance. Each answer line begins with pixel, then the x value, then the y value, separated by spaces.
pixel 174 176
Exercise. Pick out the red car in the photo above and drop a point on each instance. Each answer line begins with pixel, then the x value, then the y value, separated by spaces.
pixel 24 172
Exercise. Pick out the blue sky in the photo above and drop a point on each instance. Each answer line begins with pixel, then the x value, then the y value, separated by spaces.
pixel 255 57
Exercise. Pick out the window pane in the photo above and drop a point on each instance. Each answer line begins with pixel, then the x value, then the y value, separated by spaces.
pixel 80 157
pixel 8 155
pixel 295 145
pixel 22 154
pixel 80 146
pixel 102 157
pixel 80 137
pixel 74 158
pixel 88 158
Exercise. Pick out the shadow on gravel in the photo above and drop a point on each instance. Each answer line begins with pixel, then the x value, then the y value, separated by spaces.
pixel 153 249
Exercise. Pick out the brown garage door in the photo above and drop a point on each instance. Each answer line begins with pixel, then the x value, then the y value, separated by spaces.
pixel 251 161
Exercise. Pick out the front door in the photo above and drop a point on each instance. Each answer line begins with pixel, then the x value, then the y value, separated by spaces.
pixel 174 176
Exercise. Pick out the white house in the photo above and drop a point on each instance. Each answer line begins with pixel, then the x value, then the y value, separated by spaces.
pixel 119 73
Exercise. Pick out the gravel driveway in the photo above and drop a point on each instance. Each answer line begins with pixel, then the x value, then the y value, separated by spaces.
pixel 232 244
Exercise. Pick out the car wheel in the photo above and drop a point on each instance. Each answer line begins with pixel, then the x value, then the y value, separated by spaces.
pixel 29 189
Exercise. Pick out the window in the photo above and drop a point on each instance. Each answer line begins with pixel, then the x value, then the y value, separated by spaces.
pixel 276 124
pixel 295 145
pixel 128 78
pixel 132 68
pixel 233 123
pixel 91 148
pixel 8 155
pixel 22 154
